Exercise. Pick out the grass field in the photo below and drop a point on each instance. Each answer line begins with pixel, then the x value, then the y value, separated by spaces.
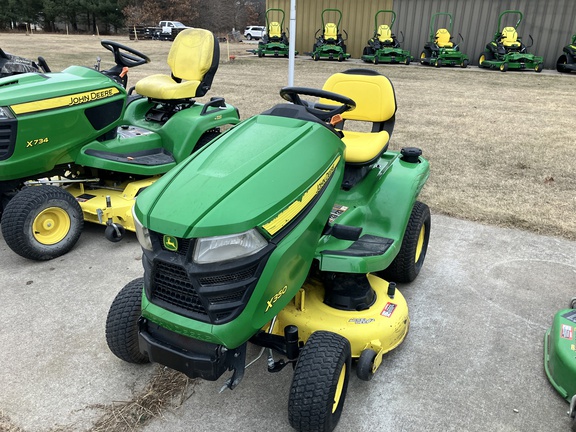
pixel 501 145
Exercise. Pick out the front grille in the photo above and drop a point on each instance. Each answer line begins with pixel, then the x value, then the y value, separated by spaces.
pixel 215 293
pixel 228 278
pixel 172 285
pixel 7 138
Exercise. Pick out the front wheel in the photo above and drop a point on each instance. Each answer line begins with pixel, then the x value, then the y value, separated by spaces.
pixel 320 381
pixel 42 222
pixel 538 68
pixel 561 63
pixel 438 63
pixel 410 259
pixel 504 67
pixel 464 64
pixel 365 366
pixel 122 323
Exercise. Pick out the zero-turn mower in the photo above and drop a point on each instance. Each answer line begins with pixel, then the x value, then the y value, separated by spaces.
pixel 567 61
pixel 560 356
pixel 330 43
pixel 440 50
pixel 75 146
pixel 384 46
pixel 507 51
pixel 292 237
pixel 275 41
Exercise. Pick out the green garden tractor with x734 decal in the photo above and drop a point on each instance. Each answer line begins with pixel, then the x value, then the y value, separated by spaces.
pixel 75 146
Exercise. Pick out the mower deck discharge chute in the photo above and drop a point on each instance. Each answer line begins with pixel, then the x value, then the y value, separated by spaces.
pixel 384 47
pixel 440 50
pixel 294 234
pixel 560 356
pixel 567 61
pixel 507 51
pixel 330 43
pixel 76 147
pixel 275 41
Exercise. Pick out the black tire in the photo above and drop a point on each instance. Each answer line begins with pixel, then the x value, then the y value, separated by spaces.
pixel 122 323
pixel 423 57
pixel 320 381
pixel 407 61
pixel 42 222
pixel 410 259
pixel 438 63
pixel 504 67
pixel 316 57
pixel 560 64
pixel 464 64
pixel 376 61
pixel 340 57
pixel 260 54
pixel 205 139
pixel 538 68
pixel 365 365
pixel 573 303
pixel 249 37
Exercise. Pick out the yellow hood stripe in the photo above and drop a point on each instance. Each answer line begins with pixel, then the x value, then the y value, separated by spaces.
pixel 289 213
pixel 64 101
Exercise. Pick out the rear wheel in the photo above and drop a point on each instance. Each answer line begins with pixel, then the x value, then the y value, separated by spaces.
pixel 560 64
pixel 320 381
pixel 122 323
pixel 410 259
pixel 481 60
pixel 42 222
pixel 423 57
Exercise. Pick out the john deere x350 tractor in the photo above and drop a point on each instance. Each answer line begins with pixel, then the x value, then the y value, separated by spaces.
pixel 75 147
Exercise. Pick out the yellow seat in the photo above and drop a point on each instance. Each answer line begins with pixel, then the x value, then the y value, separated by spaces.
pixel 510 37
pixel 375 103
pixel 274 30
pixel 331 32
pixel 193 61
pixel 443 38
pixel 385 34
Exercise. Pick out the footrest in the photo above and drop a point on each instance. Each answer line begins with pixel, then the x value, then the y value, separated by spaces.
pixel 152 157
pixel 367 245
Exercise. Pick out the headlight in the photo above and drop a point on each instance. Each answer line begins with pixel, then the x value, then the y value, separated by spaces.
pixel 142 233
pixel 5 113
pixel 223 248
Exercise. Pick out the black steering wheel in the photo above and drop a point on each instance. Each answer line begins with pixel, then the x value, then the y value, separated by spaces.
pixel 125 56
pixel 323 111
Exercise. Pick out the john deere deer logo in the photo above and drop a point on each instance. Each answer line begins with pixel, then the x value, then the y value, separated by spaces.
pixel 170 243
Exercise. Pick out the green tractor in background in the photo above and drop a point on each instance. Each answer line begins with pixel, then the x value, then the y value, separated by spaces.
pixel 560 356
pixel 567 61
pixel 75 146
pixel 440 50
pixel 507 51
pixel 330 44
pixel 274 42
pixel 384 47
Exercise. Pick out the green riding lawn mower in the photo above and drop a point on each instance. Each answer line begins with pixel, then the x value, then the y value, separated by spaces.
pixel 330 43
pixel 440 50
pixel 294 235
pixel 384 47
pixel 507 51
pixel 275 41
pixel 560 356
pixel 567 61
pixel 75 146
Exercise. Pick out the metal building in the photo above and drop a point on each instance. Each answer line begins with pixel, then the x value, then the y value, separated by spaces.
pixel 550 22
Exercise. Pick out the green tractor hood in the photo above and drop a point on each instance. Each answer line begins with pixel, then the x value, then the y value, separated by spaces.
pixel 261 175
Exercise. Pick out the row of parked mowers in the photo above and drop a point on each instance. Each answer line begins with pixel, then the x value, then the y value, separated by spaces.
pixel 238 246
pixel 505 51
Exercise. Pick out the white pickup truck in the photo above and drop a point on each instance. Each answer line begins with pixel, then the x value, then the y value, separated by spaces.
pixel 167 30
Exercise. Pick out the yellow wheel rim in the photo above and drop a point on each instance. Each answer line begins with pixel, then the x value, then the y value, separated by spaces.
pixel 420 244
pixel 481 59
pixel 422 55
pixel 339 388
pixel 51 225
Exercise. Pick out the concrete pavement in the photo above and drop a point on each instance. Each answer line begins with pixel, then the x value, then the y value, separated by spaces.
pixel 471 362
